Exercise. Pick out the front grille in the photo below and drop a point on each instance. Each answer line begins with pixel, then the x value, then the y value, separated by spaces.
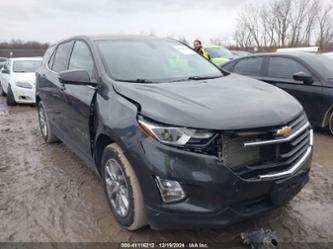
pixel 253 153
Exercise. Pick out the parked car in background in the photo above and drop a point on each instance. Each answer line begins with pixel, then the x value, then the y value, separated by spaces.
pixel 239 53
pixel 299 50
pixel 3 61
pixel 329 55
pixel 219 55
pixel 308 77
pixel 18 80
pixel 177 145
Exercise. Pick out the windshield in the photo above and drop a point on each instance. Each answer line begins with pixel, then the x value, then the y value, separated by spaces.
pixel 153 60
pixel 26 66
pixel 216 52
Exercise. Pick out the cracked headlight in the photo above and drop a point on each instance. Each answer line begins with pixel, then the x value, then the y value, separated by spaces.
pixel 23 84
pixel 172 135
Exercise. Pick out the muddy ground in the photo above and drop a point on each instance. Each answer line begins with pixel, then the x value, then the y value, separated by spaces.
pixel 48 194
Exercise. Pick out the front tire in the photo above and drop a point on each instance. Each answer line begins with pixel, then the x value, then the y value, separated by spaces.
pixel 44 124
pixel 10 97
pixel 330 125
pixel 122 188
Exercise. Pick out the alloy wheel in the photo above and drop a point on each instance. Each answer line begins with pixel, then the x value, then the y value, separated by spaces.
pixel 117 187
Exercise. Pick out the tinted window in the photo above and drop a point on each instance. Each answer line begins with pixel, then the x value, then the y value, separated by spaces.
pixel 280 67
pixel 228 67
pixel 81 58
pixel 48 57
pixel 249 66
pixel 154 60
pixel 61 55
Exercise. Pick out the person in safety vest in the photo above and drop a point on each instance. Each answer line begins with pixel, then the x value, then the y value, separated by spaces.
pixel 200 50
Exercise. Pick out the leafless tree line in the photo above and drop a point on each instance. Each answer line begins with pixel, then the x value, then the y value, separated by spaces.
pixel 20 44
pixel 285 23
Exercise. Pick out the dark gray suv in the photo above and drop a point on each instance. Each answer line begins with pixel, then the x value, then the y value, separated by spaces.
pixel 177 142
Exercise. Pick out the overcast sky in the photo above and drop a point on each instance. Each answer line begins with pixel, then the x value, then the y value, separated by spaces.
pixel 52 20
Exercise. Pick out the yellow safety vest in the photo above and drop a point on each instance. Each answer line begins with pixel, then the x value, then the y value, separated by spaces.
pixel 204 53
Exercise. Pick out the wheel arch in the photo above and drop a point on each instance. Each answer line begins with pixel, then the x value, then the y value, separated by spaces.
pixel 327 117
pixel 102 141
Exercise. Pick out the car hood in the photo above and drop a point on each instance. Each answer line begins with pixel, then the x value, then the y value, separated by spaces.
pixel 25 77
pixel 226 103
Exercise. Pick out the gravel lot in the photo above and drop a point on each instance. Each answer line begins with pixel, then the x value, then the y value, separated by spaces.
pixel 48 194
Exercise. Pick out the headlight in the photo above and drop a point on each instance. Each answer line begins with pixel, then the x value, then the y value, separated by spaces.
pixel 172 135
pixel 23 84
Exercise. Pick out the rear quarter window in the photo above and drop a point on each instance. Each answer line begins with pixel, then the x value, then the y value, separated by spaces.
pixel 249 66
pixel 61 57
pixel 229 67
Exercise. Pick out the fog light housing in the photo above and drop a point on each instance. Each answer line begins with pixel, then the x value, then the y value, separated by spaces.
pixel 170 190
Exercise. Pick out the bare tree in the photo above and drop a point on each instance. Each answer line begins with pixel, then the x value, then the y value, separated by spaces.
pixel 283 23
pixel 325 26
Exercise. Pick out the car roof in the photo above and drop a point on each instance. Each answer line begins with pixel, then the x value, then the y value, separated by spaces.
pixel 113 37
pixel 214 46
pixel 301 55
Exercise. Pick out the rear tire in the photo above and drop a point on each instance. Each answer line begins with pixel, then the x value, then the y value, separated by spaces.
pixel 330 125
pixel 44 125
pixel 10 97
pixel 122 187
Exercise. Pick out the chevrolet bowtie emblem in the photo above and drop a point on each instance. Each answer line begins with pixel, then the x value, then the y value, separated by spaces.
pixel 284 131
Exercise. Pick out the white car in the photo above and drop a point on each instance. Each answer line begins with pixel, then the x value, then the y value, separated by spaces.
pixel 18 80
pixel 329 55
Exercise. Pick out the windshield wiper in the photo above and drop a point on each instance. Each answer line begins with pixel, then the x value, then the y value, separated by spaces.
pixel 196 78
pixel 202 77
pixel 136 81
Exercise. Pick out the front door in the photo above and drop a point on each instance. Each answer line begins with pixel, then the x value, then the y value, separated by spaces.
pixel 280 71
pixel 78 99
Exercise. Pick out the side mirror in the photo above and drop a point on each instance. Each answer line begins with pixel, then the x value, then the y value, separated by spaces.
pixel 75 77
pixel 6 71
pixel 301 76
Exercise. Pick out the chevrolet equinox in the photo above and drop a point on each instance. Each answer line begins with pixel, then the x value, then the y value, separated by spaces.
pixel 178 143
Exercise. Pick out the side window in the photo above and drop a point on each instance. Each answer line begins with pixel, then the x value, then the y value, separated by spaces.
pixel 249 66
pixel 52 59
pixel 60 57
pixel 280 67
pixel 229 66
pixel 49 57
pixel 81 58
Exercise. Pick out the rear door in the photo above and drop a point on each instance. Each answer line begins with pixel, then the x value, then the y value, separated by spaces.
pixel 78 99
pixel 50 88
pixel 280 71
